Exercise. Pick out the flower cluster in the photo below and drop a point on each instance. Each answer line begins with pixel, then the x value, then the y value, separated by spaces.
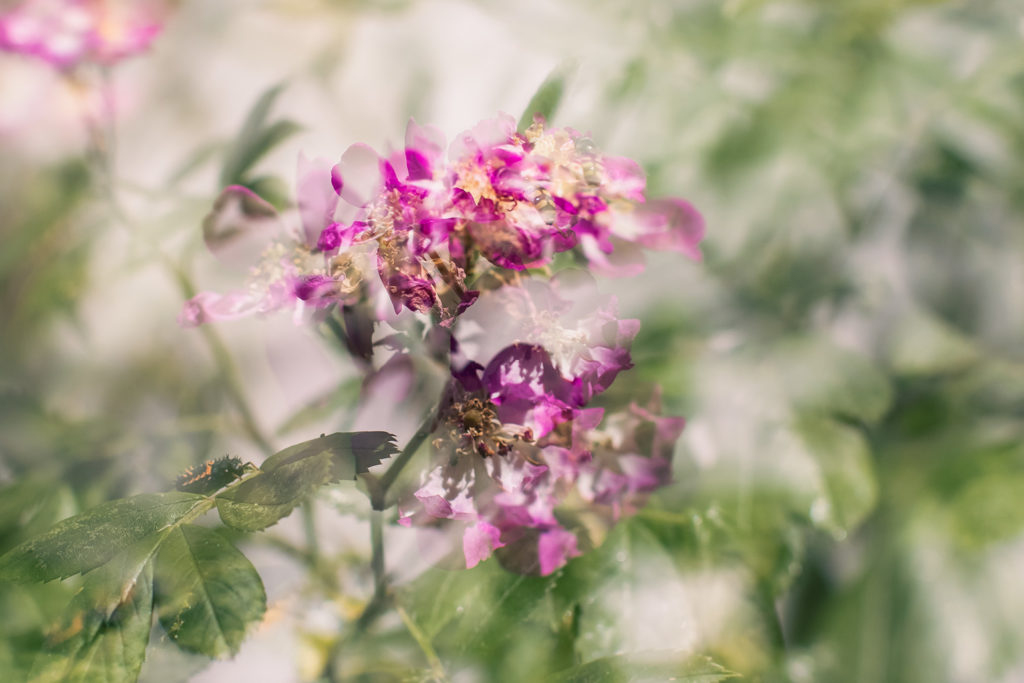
pixel 518 443
pixel 66 33
pixel 417 227
pixel 469 237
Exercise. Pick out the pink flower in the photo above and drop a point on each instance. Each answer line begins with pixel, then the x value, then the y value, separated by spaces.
pixel 503 488
pixel 66 33
pixel 292 270
pixel 501 200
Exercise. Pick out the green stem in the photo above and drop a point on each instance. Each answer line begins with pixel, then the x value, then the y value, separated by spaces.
pixel 103 137
pixel 389 477
pixel 309 530
pixel 425 646
pixel 377 545
pixel 225 365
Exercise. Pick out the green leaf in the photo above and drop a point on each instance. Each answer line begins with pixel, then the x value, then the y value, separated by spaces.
pixel 92 538
pixel 547 98
pixel 351 453
pixel 207 591
pixel 104 636
pixel 28 508
pixel 506 622
pixel 923 344
pixel 847 473
pixel 255 139
pixel 291 474
pixel 195 160
pixel 263 499
pixel 820 377
pixel 622 669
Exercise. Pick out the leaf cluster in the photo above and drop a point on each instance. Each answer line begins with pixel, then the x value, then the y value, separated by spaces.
pixel 144 556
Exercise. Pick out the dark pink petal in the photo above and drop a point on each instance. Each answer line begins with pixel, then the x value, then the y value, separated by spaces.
pixel 428 144
pixel 528 390
pixel 418 165
pixel 479 541
pixel 316 289
pixel 554 548
pixel 330 238
pixel 415 293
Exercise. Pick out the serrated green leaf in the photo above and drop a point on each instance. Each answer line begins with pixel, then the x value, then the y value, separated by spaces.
pixel 103 638
pixel 547 98
pixel 208 593
pixel 286 477
pixel 263 499
pixel 351 453
pixel 620 669
pixel 92 538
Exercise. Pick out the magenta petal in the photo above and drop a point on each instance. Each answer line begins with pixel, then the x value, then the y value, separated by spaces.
pixel 528 390
pixel 479 541
pixel 427 141
pixel 554 548
pixel 418 165
pixel 671 224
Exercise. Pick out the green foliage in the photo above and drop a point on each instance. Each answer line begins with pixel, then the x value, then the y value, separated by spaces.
pixel 290 475
pixel 620 669
pixel 206 593
pixel 91 539
pixel 545 101
pixel 209 593
pixel 104 635
pixel 257 137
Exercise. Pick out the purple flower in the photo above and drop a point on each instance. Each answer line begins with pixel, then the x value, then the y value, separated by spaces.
pixel 528 390
pixel 502 488
pixel 584 347
pixel 430 224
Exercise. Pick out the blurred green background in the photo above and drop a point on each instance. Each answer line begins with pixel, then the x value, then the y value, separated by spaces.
pixel 849 496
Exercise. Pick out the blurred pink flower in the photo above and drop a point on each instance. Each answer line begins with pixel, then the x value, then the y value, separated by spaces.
pixel 66 33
